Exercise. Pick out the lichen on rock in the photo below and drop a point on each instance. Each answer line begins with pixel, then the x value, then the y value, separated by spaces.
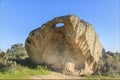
pixel 73 48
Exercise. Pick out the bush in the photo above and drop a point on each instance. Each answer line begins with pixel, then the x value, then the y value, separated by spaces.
pixel 109 65
pixel 17 51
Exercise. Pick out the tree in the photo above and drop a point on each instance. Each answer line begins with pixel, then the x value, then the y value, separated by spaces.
pixel 10 52
pixel 2 53
pixel 17 50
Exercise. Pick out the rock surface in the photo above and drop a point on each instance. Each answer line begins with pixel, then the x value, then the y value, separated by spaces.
pixel 73 48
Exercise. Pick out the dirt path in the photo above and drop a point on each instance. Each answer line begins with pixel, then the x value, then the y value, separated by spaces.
pixel 55 75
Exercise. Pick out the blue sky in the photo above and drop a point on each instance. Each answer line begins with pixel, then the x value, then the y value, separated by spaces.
pixel 19 17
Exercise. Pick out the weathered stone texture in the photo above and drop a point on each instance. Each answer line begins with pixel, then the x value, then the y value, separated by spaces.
pixel 73 49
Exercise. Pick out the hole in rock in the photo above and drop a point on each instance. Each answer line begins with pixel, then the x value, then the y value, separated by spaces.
pixel 59 25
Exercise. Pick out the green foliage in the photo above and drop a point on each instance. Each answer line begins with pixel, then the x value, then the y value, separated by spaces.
pixel 16 64
pixel 21 68
pixel 16 51
pixel 23 72
pixel 109 65
pixel 2 53
pixel 7 65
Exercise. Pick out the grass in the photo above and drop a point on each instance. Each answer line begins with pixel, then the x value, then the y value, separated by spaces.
pixel 23 72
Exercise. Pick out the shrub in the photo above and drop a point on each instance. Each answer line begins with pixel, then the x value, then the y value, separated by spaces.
pixel 109 65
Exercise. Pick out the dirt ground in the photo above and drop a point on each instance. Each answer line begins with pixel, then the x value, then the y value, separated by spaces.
pixel 54 75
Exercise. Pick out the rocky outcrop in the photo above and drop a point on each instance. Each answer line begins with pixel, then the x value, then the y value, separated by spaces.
pixel 73 48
